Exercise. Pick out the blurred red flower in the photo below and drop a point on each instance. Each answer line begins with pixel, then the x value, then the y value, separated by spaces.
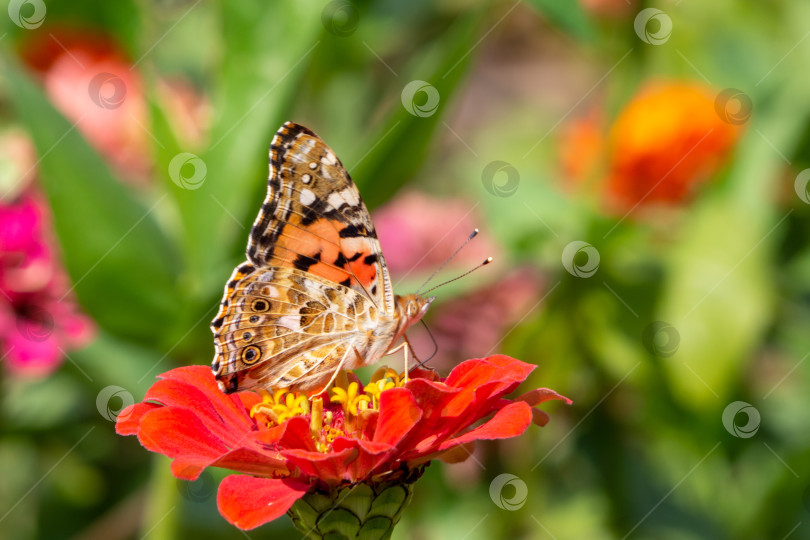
pixel 369 434
pixel 663 145
pixel 39 319
pixel 91 80
pixel 610 8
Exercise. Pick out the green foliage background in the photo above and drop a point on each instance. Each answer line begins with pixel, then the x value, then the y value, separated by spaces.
pixel 642 453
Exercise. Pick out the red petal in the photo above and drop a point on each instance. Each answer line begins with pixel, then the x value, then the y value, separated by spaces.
pixel 244 460
pixel 251 461
pixel 478 379
pixel 294 433
pixel 370 455
pixel 332 468
pixel 193 387
pixel 432 399
pixel 539 418
pixel 472 373
pixel 248 502
pixel 248 399
pixel 178 432
pixel 513 367
pixel 129 419
pixel 190 467
pixel 510 421
pixel 540 395
pixel 424 373
pixel 231 407
pixel 398 415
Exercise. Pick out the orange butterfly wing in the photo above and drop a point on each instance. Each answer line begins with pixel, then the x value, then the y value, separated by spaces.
pixel 314 219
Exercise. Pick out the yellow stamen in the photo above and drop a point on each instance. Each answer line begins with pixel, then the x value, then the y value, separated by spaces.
pixel 349 398
pixel 316 422
pixel 383 379
pixel 281 405
pixel 328 436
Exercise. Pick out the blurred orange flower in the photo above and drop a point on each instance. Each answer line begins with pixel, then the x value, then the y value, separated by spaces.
pixel 583 147
pixel 663 145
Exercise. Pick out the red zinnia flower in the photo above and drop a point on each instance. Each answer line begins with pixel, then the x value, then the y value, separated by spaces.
pixel 383 433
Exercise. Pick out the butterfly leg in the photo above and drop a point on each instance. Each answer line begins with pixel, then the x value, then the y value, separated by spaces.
pixel 413 353
pixel 406 345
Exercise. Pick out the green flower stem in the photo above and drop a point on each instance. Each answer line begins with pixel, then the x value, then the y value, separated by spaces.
pixel 160 515
pixel 363 511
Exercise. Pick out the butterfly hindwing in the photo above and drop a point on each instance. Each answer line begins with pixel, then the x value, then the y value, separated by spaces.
pixel 298 324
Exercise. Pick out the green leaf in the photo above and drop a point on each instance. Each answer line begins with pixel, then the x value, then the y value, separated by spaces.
pixel 719 294
pixel 121 264
pixel 252 92
pixel 398 148
pixel 569 16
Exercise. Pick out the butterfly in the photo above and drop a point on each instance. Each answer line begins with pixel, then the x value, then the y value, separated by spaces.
pixel 314 296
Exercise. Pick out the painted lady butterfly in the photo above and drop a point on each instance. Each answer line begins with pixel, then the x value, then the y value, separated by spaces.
pixel 314 295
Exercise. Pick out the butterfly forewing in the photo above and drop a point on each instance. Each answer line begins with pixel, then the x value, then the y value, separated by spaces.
pixel 314 219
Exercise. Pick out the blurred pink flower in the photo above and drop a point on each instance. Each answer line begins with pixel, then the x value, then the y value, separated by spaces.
pixel 39 319
pixel 481 319
pixel 92 82
pixel 418 233
pixel 188 110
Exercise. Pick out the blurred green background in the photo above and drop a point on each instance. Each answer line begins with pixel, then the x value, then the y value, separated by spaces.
pixel 656 323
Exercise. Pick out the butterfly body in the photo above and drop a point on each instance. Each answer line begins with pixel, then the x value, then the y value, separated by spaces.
pixel 314 295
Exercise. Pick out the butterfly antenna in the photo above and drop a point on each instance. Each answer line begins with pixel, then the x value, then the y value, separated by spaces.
pixel 468 272
pixel 450 258
pixel 435 346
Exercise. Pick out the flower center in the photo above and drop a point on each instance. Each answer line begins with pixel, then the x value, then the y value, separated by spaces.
pixel 346 414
